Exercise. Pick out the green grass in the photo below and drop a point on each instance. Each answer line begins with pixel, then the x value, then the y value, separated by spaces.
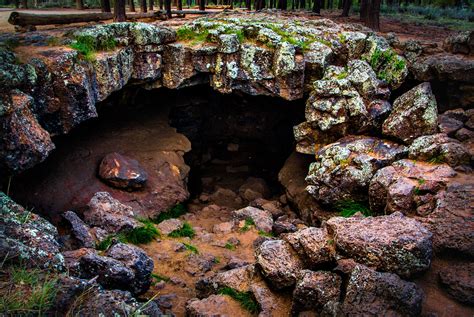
pixel 158 277
pixel 186 230
pixel 185 33
pixel 247 225
pixel 265 234
pixel 437 159
pixel 88 45
pixel 245 299
pixel 191 248
pixel 347 208
pixel 140 235
pixel 230 246
pixel 27 292
pixel 173 212
pixel 342 75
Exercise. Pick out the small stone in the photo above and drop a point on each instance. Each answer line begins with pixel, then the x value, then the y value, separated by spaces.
pixel 167 226
pixel 223 228
pixel 263 219
pixel 79 229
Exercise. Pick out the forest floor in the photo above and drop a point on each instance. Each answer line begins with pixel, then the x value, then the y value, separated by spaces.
pixel 403 29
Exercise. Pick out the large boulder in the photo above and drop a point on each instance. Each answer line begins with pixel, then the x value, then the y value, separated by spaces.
pixel 262 218
pixel 439 148
pixel 414 114
pixel 109 214
pixel 451 221
pixel 458 281
pixel 315 290
pixel 371 293
pixel 313 245
pixel 408 186
pixel 27 238
pixel 122 172
pixel 343 170
pixel 215 305
pixel 124 267
pixel 393 243
pixel 278 262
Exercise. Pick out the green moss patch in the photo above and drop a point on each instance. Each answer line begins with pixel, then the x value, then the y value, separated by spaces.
pixel 186 230
pixel 348 208
pixel 245 299
pixel 173 212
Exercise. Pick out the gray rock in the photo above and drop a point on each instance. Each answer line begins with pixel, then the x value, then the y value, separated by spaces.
pixel 278 262
pixel 343 170
pixel 80 230
pixel 458 281
pixel 263 219
pixel 314 290
pixel 370 293
pixel 27 237
pixel 167 226
pixel 314 245
pixel 110 214
pixel 441 148
pixel 414 114
pixel 393 243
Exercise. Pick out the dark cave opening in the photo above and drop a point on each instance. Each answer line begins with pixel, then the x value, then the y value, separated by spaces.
pixel 233 137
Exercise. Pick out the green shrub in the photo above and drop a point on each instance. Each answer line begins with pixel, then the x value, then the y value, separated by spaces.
pixel 173 212
pixel 245 299
pixel 348 208
pixel 186 230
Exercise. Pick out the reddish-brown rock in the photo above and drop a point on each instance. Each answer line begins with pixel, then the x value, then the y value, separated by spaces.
pixel 122 172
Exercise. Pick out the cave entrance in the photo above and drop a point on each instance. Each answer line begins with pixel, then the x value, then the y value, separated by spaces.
pixel 192 137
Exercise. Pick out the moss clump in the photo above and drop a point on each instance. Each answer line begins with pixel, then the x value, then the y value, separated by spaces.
pixel 265 234
pixel 343 75
pixel 140 235
pixel 88 45
pixel 195 37
pixel 245 299
pixel 387 65
pixel 159 277
pixel 348 208
pixel 230 246
pixel 173 212
pixel 247 225
pixel 191 248
pixel 186 230
pixel 437 159
pixel 26 292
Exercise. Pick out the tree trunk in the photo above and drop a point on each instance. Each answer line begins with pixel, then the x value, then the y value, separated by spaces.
pixel 317 6
pixel 346 7
pixel 132 5
pixel 180 5
pixel 373 16
pixel 150 5
pixel 105 5
pixel 364 9
pixel 202 5
pixel 119 11
pixel 168 8
pixel 17 4
pixel 161 4
pixel 79 5
pixel 143 7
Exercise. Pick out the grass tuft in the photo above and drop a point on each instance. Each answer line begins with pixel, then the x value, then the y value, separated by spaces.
pixel 173 212
pixel 245 299
pixel 191 248
pixel 266 234
pixel 186 230
pixel 160 277
pixel 248 224
pixel 140 235
pixel 230 246
pixel 88 45
pixel 348 208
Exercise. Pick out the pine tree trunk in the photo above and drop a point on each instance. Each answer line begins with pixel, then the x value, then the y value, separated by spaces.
pixel 150 5
pixel 317 6
pixel 180 5
pixel 373 16
pixel 132 5
pixel 346 7
pixel 168 8
pixel 17 4
pixel 161 4
pixel 119 11
pixel 79 5
pixel 143 7
pixel 202 5
pixel 364 4
pixel 105 5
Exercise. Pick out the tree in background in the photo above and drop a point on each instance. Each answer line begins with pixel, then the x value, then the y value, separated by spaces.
pixel 150 5
pixel 79 5
pixel 143 7
pixel 105 5
pixel 131 3
pixel 119 11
